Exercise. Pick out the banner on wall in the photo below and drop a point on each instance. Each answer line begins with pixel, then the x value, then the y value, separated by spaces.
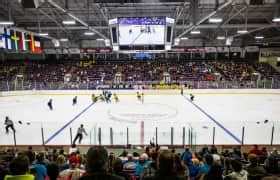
pixel 19 41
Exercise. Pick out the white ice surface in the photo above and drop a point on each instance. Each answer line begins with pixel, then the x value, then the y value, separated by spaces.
pixel 232 111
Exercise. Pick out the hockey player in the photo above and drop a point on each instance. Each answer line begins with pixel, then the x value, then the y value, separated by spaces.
pixel 191 97
pixel 101 98
pixel 9 124
pixel 108 97
pixel 142 97
pixel 74 101
pixel 79 134
pixel 50 104
pixel 116 98
pixel 182 91
pixel 138 95
pixel 94 98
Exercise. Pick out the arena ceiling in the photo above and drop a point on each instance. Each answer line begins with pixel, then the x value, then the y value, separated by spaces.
pixel 93 15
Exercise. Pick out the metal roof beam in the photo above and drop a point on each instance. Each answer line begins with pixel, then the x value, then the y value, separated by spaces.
pixel 191 27
pixel 77 19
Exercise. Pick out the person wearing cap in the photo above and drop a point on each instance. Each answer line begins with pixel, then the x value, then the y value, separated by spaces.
pixel 73 173
pixel 96 165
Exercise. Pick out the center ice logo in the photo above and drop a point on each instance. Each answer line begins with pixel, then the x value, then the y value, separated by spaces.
pixel 149 112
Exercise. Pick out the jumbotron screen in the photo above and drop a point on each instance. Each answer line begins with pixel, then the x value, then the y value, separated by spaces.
pixel 141 30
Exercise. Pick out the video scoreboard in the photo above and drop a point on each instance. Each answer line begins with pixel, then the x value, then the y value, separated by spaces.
pixel 141 33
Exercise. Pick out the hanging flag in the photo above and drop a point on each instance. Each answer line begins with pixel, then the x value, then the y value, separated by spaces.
pixel 31 42
pixel 22 40
pixel 15 42
pixel 1 37
pixel 7 39
pixel 37 44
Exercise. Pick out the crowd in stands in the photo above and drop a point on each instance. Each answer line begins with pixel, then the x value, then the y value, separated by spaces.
pixel 134 71
pixel 153 163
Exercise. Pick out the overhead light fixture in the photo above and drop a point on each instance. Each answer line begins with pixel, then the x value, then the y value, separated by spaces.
pixel 6 23
pixel 215 20
pixel 99 39
pixel 195 32
pixel 221 37
pixel 184 38
pixel 277 19
pixel 242 31
pixel 43 34
pixel 259 37
pixel 69 22
pixel 63 40
pixel 89 33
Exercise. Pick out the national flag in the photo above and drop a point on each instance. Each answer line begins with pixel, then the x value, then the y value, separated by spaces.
pixel 24 41
pixel 1 37
pixel 31 42
pixel 37 44
pixel 7 39
pixel 15 42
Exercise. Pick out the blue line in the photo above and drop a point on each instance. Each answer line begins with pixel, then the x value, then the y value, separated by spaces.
pixel 215 121
pixel 68 123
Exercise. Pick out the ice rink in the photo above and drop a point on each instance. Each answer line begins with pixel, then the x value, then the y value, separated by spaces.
pixel 226 110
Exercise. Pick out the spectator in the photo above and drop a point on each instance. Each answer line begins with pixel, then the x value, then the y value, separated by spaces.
pixel 118 169
pixel 129 166
pixel 253 168
pixel 110 161
pixel 255 150
pixel 123 156
pixel 206 166
pixel 53 171
pixel 19 169
pixel 180 167
pixel 166 169
pixel 187 155
pixel 215 173
pixel 152 168
pixel 39 170
pixel 73 173
pixel 143 162
pixel 97 159
pixel 61 162
pixel 238 173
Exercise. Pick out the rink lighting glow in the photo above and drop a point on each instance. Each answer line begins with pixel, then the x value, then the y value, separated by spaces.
pixel 43 34
pixel 63 40
pixel 6 23
pixel 215 20
pixel 89 33
pixel 221 37
pixel 276 20
pixel 99 39
pixel 195 32
pixel 69 22
pixel 242 31
pixel 259 37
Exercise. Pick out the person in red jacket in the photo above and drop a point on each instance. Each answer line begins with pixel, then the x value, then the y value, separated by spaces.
pixel 255 150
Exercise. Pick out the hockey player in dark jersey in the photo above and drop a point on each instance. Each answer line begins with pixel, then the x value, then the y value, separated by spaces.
pixel 191 97
pixel 74 101
pixel 50 104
